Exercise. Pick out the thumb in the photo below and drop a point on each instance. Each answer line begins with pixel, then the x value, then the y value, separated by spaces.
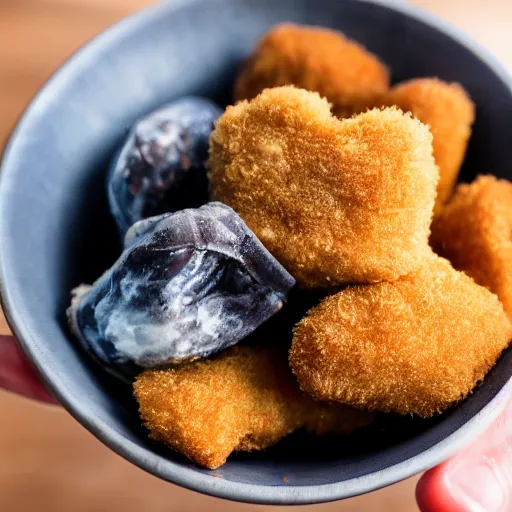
pixel 17 375
pixel 478 479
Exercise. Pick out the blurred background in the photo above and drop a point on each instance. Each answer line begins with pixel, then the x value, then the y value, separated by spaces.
pixel 48 462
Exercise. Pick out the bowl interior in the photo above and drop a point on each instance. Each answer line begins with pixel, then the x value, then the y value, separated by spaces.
pixel 56 231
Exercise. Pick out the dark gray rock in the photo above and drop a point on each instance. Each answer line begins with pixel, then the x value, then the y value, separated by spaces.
pixel 160 167
pixel 187 285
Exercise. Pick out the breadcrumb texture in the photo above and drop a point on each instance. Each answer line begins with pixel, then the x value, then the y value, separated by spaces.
pixel 335 201
pixel 474 231
pixel 450 113
pixel 316 59
pixel 246 399
pixel 415 346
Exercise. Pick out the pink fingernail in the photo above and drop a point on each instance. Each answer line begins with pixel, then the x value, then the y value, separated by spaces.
pixel 477 488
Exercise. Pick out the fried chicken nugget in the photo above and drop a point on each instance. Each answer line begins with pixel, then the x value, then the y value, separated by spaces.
pixel 246 399
pixel 335 201
pixel 474 231
pixel 414 346
pixel 449 111
pixel 316 59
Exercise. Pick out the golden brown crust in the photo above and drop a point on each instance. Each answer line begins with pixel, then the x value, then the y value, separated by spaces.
pixel 474 231
pixel 414 346
pixel 334 201
pixel 449 111
pixel 316 59
pixel 246 399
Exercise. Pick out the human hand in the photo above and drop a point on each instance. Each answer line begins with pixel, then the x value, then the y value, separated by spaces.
pixel 17 375
pixel 478 479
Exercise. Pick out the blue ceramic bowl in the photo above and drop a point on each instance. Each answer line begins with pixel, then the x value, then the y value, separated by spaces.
pixel 55 229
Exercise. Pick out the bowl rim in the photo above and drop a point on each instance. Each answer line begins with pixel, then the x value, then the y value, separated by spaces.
pixel 159 465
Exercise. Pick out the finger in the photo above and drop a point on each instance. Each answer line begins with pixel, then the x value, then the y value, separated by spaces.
pixel 479 479
pixel 17 375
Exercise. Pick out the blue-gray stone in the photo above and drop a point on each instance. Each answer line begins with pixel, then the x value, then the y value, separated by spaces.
pixel 160 167
pixel 187 285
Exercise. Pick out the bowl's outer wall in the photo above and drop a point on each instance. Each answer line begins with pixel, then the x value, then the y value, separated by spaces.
pixel 56 231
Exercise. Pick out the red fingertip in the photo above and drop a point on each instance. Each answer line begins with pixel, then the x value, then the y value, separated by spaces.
pixel 17 375
pixel 478 479
pixel 432 494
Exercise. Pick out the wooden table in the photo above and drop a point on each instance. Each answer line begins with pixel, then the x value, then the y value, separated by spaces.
pixel 48 462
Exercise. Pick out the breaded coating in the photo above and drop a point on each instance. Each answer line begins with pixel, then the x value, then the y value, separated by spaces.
pixel 474 231
pixel 246 399
pixel 449 111
pixel 335 201
pixel 414 346
pixel 316 59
